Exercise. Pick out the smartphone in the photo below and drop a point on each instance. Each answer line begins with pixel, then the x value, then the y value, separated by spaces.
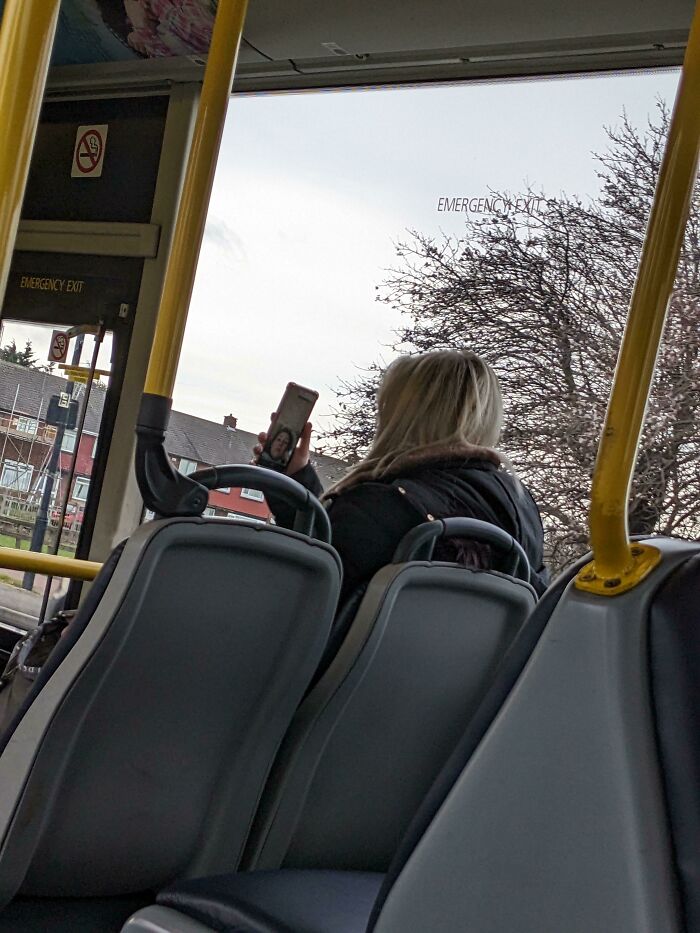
pixel 292 414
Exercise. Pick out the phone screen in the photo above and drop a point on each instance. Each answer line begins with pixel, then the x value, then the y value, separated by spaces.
pixel 292 414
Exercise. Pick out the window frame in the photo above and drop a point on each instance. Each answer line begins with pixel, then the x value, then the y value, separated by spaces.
pixel 71 434
pixel 27 418
pixel 255 495
pixel 28 471
pixel 193 463
pixel 80 479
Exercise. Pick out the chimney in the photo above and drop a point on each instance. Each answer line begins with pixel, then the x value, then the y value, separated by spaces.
pixel 230 422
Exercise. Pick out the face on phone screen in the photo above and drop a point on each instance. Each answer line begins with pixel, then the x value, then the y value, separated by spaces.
pixel 280 446
pixel 292 414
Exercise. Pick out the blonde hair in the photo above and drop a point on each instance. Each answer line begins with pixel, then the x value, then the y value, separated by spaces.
pixel 437 400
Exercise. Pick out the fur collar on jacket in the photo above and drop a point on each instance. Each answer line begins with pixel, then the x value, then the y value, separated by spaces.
pixel 443 452
pixel 417 458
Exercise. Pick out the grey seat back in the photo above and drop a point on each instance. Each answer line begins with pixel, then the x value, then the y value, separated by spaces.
pixel 558 819
pixel 371 736
pixel 143 755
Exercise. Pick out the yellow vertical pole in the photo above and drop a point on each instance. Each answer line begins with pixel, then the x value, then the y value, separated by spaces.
pixel 617 566
pixel 26 38
pixel 192 213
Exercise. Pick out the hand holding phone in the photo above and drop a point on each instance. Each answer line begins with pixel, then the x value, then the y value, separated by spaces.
pixel 287 427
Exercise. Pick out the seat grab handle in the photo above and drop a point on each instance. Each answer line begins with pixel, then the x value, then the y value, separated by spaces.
pixel 311 517
pixel 420 541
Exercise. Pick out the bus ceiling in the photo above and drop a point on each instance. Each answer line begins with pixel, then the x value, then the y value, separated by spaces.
pixel 304 44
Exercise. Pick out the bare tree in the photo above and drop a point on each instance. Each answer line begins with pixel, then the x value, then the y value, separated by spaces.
pixel 543 294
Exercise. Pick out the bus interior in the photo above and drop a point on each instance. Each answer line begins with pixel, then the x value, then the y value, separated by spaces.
pixel 191 757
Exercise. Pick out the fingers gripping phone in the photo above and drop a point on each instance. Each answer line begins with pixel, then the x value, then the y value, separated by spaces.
pixel 292 414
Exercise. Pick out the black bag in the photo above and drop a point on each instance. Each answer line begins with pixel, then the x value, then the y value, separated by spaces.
pixel 27 658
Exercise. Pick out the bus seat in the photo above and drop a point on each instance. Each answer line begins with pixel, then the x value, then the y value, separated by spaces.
pixel 369 739
pixel 674 644
pixel 221 899
pixel 154 724
pixel 562 807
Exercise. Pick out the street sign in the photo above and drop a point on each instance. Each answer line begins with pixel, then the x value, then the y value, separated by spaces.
pixel 75 374
pixel 58 348
pixel 81 373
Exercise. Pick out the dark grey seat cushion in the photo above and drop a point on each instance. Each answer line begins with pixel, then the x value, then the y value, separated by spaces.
pixel 674 656
pixel 279 901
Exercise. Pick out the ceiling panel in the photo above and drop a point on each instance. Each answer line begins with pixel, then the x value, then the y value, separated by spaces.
pixel 303 29
pixel 308 43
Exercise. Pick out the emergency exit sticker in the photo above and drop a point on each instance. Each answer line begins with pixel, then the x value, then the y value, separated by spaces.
pixel 89 153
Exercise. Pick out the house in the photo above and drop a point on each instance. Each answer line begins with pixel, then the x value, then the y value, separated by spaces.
pixel 26 443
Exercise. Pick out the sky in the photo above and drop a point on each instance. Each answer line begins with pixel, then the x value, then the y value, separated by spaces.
pixel 313 189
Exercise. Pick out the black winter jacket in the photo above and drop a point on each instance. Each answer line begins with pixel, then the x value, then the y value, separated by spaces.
pixel 369 520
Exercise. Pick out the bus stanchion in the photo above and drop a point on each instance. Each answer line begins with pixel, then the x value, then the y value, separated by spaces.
pixel 163 489
pixel 26 39
pixel 617 565
pixel 49 564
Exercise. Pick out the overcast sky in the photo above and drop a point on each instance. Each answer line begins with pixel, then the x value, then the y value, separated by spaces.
pixel 313 188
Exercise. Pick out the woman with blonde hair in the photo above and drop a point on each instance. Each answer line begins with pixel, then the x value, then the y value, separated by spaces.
pixel 434 455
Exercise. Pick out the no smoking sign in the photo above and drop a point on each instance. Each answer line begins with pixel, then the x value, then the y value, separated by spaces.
pixel 89 152
pixel 58 349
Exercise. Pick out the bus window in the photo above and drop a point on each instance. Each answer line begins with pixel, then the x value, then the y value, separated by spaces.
pixel 350 226
pixel 50 423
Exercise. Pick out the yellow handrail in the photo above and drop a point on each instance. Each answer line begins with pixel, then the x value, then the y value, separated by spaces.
pixel 26 37
pixel 617 566
pixel 192 213
pixel 50 564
